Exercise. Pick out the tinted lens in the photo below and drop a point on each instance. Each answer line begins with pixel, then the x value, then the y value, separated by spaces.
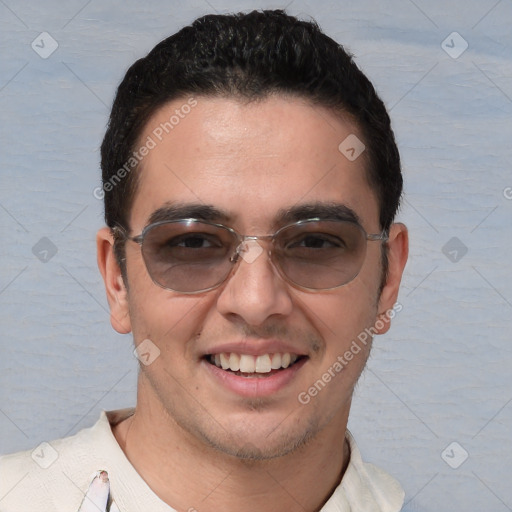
pixel 188 256
pixel 191 256
pixel 320 254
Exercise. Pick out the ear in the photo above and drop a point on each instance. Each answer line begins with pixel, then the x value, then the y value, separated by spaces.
pixel 398 250
pixel 117 294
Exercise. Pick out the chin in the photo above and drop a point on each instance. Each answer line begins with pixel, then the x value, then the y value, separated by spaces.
pixel 251 440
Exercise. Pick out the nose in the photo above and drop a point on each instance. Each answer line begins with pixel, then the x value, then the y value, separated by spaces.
pixel 254 291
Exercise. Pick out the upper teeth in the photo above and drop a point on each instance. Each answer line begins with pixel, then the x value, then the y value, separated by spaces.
pixel 253 364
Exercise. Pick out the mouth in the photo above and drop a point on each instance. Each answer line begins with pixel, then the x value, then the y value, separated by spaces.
pixel 250 366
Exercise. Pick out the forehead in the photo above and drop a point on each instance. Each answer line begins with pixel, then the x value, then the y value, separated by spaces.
pixel 251 161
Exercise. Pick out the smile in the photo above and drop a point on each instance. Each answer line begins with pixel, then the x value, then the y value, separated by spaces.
pixel 250 365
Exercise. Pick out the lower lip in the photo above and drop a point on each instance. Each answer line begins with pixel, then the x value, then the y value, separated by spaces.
pixel 255 386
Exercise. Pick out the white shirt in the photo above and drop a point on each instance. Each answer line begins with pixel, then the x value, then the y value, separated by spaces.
pixel 55 477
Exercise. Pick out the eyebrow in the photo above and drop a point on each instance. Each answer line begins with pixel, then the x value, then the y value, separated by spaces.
pixel 322 210
pixel 325 210
pixel 177 211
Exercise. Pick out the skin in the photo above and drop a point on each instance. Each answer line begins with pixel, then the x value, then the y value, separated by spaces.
pixel 196 443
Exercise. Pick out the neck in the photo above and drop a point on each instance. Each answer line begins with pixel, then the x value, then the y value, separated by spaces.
pixel 188 475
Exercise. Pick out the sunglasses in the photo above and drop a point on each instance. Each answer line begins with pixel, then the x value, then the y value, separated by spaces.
pixel 193 256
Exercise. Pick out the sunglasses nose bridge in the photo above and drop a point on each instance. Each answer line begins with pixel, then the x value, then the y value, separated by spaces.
pixel 249 248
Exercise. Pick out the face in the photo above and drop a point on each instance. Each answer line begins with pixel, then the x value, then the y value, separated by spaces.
pixel 250 165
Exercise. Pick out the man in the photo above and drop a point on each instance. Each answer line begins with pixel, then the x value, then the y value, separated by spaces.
pixel 251 179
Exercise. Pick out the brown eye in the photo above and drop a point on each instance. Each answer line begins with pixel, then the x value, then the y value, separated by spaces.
pixel 317 241
pixel 194 241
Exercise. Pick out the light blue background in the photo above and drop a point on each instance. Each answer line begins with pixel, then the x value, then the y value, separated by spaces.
pixel 444 371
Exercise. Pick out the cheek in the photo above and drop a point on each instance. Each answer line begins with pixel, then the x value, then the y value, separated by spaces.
pixel 342 315
pixel 169 320
pixel 345 327
pixel 154 312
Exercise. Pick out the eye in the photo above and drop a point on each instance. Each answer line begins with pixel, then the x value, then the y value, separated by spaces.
pixel 316 241
pixel 189 249
pixel 195 241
